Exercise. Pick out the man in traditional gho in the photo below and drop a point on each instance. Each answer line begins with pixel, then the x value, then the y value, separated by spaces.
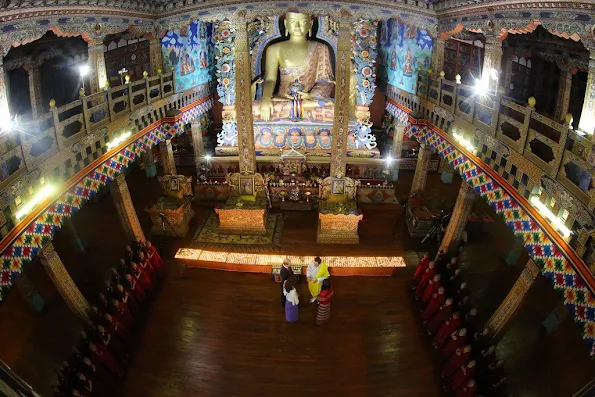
pixel 316 273
pixel 285 273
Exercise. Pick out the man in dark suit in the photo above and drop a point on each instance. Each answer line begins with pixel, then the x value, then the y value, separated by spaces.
pixel 286 272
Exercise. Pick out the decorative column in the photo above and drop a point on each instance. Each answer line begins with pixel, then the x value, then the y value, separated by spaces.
pixel 513 255
pixel 149 161
pixel 125 208
pixel 448 173
pixel 79 243
pixel 243 106
pixel 553 320
pixel 507 70
pixel 492 59
pixel 397 147
pixel 342 86
pixel 438 56
pixel 514 299
pixel 64 284
pixel 421 170
pixel 167 157
pixel 587 121
pixel 4 110
pixel 197 142
pixel 35 89
pixel 155 54
pixel 458 218
pixel 25 285
pixel 97 72
pixel 564 88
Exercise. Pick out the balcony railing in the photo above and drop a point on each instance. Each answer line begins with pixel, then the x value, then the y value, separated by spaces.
pixel 551 145
pixel 39 139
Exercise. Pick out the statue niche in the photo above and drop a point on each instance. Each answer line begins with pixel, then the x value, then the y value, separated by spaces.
pixel 302 70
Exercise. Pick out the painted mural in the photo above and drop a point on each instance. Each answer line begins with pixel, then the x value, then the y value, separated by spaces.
pixel 190 52
pixel 404 50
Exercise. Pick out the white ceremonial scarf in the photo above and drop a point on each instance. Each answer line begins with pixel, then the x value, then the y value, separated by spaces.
pixel 311 271
pixel 292 296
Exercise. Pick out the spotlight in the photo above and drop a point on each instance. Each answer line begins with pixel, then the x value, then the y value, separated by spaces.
pixel 481 86
pixel 389 160
pixel 494 74
pixel 84 70
pixel 44 193
pixel 554 220
pixel 208 157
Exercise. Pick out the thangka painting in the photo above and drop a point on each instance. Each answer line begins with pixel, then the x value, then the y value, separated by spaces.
pixel 190 52
pixel 405 49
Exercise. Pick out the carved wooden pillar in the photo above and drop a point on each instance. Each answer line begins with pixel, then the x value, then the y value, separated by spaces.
pixel 167 157
pixel 447 173
pixel 514 299
pixel 4 110
pixel 64 284
pixel 97 72
pixel 155 55
pixel 197 143
pixel 397 147
pixel 421 170
pixel 35 90
pixel 564 88
pixel 149 161
pixel 587 121
pixel 553 320
pixel 243 105
pixel 458 218
pixel 79 242
pixel 342 87
pixel 125 208
pixel 438 56
pixel 513 255
pixel 492 59
pixel 507 70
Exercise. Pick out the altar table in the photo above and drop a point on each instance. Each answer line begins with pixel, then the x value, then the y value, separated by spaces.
pixel 243 217
pixel 171 216
pixel 338 222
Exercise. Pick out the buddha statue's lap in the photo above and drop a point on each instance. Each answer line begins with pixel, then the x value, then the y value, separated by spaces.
pixel 303 66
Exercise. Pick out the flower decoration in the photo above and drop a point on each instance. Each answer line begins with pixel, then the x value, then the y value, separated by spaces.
pixel 225 62
pixel 364 56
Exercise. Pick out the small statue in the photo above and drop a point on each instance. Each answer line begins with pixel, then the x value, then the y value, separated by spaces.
pixel 294 194
pixel 297 108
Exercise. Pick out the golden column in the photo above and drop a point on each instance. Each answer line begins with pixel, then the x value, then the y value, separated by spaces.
pixel 97 72
pixel 64 284
pixel 397 147
pixel 197 142
pixel 458 218
pixel 492 60
pixel 167 157
pixel 125 208
pixel 155 54
pixel 514 299
pixel 438 56
pixel 421 170
pixel 340 129
pixel 587 121
pixel 243 105
pixel 4 110
pixel 35 89
pixel 564 88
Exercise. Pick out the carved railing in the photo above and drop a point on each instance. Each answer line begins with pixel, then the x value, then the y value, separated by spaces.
pixel 548 144
pixel 39 139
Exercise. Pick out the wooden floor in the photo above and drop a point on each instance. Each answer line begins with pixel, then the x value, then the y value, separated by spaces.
pixel 214 333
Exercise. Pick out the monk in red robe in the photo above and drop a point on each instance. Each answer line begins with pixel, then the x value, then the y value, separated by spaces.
pixel 421 268
pixel 154 257
pixel 456 341
pixel 120 331
pixel 468 390
pixel 431 289
pixel 450 326
pixel 135 289
pixel 425 279
pixel 142 278
pixel 462 375
pixel 460 357
pixel 437 300
pixel 121 315
pixel 439 317
pixel 100 354
pixel 145 266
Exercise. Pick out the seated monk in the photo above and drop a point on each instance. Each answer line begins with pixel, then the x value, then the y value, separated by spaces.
pixel 298 61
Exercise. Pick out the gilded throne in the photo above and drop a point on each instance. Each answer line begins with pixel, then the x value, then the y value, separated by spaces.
pixel 338 214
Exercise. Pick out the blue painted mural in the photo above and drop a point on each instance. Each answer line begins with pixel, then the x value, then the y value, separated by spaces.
pixel 404 49
pixel 190 51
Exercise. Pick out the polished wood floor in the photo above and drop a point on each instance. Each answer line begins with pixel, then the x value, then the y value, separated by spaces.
pixel 214 333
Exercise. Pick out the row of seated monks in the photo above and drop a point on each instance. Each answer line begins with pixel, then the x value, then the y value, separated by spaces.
pixel 470 367
pixel 109 336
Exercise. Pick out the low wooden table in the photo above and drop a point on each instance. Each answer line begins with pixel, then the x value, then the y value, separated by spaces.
pixel 338 222
pixel 243 217
pixel 171 216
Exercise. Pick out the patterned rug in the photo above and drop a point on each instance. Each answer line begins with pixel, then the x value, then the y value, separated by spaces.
pixel 209 236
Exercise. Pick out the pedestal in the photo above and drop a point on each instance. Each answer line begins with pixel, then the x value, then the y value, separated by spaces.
pixel 239 217
pixel 337 223
pixel 171 216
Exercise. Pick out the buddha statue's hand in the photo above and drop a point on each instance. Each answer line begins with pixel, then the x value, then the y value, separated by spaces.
pixel 266 109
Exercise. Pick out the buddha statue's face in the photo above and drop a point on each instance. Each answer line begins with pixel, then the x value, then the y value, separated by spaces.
pixel 297 24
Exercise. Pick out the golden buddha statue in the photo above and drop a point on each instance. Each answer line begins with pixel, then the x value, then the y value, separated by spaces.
pixel 302 62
